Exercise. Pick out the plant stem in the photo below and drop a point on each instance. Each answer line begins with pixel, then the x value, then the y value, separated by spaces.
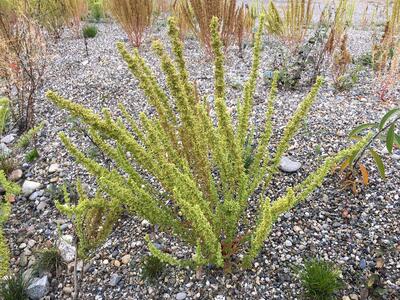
pixel 372 139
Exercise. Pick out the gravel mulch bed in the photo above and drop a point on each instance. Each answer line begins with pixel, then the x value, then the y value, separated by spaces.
pixel 353 231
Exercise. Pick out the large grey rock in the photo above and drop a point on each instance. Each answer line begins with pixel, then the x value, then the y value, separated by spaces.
pixel 38 288
pixel 30 186
pixel 289 166
pixel 67 250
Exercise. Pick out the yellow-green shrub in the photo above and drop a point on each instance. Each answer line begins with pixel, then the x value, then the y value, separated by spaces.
pixel 201 189
pixel 5 208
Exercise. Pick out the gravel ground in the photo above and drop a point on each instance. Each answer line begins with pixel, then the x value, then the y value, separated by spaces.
pixel 356 232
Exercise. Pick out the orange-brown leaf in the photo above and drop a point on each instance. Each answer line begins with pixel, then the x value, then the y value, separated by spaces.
pixel 364 174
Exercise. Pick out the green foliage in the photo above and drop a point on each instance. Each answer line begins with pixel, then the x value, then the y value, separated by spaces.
pixel 25 139
pixel 294 67
pixel 48 260
pixel 184 148
pixel 32 155
pixel 365 60
pixel 96 8
pixel 385 130
pixel 152 268
pixel 320 280
pixel 4 110
pixel 14 288
pixel 51 14
pixel 11 189
pixel 347 81
pixel 375 285
pixel 93 218
pixel 89 31
pixel 7 164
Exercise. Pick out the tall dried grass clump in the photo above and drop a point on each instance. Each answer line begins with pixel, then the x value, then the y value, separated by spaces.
pixel 196 15
pixel 293 23
pixel 343 19
pixel 76 10
pixel 134 16
pixel 386 52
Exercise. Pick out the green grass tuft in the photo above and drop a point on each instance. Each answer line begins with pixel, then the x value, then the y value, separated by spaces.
pixel 89 31
pixel 14 288
pixel 49 260
pixel 320 280
pixel 32 155
pixel 152 268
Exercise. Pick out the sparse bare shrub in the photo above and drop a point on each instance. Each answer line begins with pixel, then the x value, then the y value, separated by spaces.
pixel 51 14
pixel 22 64
pixel 134 16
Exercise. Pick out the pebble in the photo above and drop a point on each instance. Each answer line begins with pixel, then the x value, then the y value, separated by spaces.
pixel 54 168
pixel 23 260
pixel 126 259
pixel 9 138
pixel 15 175
pixel 296 228
pixel 117 263
pixel 363 264
pixel 36 195
pixel 67 250
pixel 181 296
pixel 288 243
pixel 115 279
pixel 41 206
pixel 29 187
pixel 353 297
pixel 4 150
pixel 68 290
pixel 289 166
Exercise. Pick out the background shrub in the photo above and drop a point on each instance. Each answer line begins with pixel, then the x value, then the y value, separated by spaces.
pixel 134 16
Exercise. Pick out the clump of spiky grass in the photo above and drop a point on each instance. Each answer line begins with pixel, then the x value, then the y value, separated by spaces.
pixel 320 279
pixel 152 268
pixel 14 288
pixel 48 260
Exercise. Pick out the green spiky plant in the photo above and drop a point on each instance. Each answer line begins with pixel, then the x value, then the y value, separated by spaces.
pixel 92 219
pixel 320 280
pixel 14 287
pixel 202 189
pixel 5 209
pixel 48 260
